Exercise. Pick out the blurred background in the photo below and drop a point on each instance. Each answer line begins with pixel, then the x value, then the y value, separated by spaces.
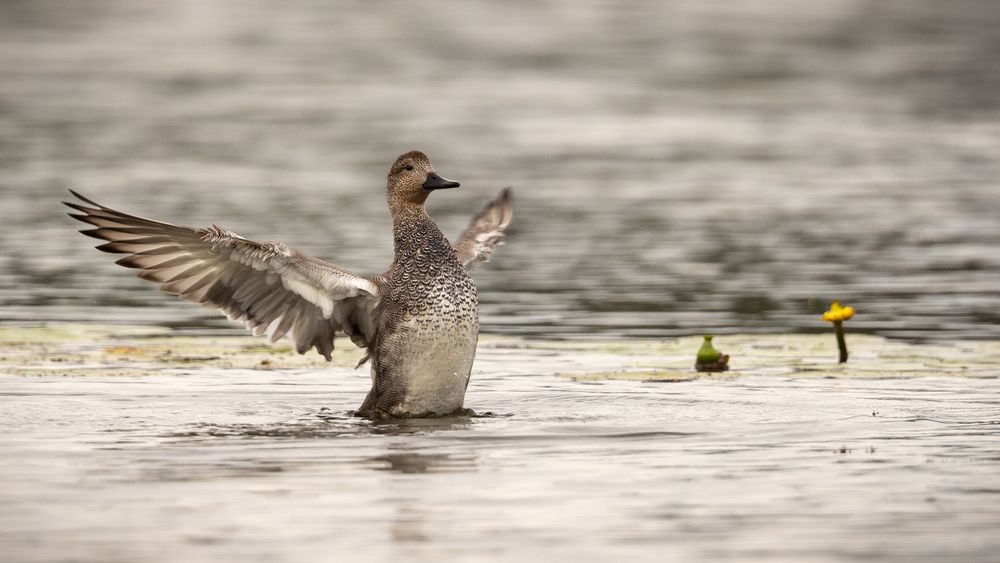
pixel 679 166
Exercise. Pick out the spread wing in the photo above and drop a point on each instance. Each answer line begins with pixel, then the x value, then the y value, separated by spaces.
pixel 271 288
pixel 486 230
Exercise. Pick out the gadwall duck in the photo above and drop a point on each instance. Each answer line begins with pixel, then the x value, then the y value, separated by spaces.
pixel 419 321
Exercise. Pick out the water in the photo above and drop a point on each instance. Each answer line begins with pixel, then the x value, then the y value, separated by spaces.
pixel 679 168
pixel 262 466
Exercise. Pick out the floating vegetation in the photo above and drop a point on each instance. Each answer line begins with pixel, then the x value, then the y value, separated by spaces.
pixel 81 350
pixel 710 359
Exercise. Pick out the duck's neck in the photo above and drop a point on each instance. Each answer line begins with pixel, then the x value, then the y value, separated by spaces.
pixel 402 210
pixel 413 229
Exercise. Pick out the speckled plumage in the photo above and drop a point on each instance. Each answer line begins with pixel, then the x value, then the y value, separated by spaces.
pixel 427 325
pixel 419 320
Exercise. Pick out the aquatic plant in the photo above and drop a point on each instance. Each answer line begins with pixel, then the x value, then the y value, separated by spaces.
pixel 710 359
pixel 837 315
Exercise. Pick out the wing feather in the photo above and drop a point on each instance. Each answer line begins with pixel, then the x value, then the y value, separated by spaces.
pixel 271 288
pixel 486 230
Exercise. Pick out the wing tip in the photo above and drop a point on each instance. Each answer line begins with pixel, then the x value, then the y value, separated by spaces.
pixel 506 200
pixel 82 198
pixel 93 233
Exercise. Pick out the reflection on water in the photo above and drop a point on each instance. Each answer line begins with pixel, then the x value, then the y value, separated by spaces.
pixel 680 167
pixel 412 462
pixel 233 465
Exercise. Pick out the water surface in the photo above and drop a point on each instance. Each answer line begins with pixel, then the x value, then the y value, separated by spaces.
pixel 679 167
pixel 263 466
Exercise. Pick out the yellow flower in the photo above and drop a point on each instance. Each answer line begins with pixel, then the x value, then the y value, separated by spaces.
pixel 838 313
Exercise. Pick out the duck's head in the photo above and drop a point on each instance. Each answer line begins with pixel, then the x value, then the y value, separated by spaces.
pixel 412 178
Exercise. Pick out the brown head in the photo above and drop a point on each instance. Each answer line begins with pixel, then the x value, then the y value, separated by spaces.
pixel 411 179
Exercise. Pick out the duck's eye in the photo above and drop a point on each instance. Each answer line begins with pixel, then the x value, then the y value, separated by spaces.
pixel 409 167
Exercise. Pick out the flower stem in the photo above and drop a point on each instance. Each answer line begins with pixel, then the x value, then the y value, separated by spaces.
pixel 841 342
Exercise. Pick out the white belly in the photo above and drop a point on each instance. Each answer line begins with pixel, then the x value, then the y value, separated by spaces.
pixel 437 363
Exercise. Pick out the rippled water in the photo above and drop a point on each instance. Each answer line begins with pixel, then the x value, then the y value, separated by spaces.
pixel 679 167
pixel 261 466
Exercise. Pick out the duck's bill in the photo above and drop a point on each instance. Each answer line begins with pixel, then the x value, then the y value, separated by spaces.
pixel 435 182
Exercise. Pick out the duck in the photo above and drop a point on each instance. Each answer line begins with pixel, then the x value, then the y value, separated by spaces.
pixel 418 322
